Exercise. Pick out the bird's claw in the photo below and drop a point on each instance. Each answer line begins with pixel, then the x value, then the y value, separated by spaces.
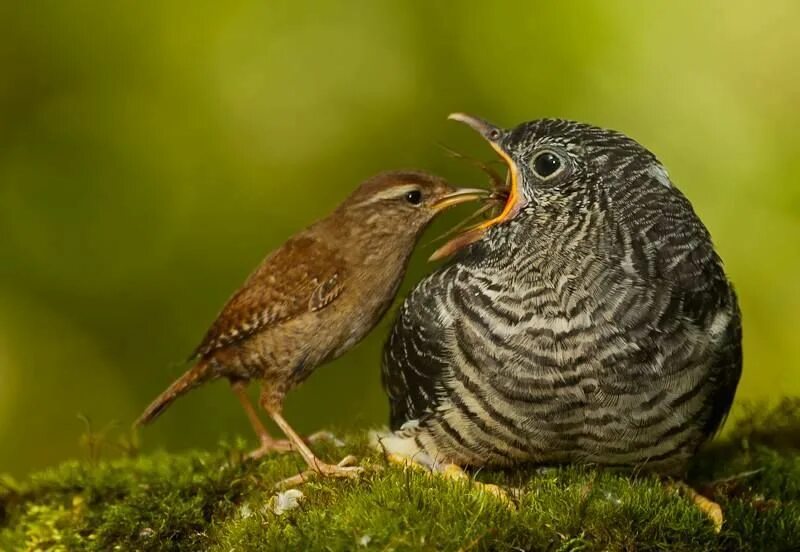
pixel 456 473
pixel 269 446
pixel 348 460
pixel 711 509
pixel 284 445
pixel 344 469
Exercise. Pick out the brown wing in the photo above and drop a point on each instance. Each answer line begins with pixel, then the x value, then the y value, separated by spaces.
pixel 304 275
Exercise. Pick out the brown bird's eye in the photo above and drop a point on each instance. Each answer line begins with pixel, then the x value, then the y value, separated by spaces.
pixel 546 164
pixel 414 197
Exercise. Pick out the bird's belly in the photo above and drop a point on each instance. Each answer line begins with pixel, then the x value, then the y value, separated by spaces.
pixel 571 425
pixel 525 372
pixel 286 359
pixel 568 393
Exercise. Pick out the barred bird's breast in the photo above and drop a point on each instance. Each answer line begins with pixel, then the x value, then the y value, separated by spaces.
pixel 499 362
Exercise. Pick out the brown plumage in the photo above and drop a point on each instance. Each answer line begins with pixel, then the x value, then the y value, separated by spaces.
pixel 315 297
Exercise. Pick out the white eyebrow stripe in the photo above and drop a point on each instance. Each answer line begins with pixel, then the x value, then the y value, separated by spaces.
pixel 393 192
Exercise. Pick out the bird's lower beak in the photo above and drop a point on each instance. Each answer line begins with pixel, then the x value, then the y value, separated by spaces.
pixel 461 195
pixel 514 199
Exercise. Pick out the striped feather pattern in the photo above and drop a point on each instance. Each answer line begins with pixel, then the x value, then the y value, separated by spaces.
pixel 596 326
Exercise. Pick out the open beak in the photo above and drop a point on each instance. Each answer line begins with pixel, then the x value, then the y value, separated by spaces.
pixel 493 135
pixel 514 201
pixel 461 195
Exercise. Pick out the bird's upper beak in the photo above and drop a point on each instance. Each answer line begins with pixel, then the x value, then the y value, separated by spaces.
pixel 461 195
pixel 484 128
pixel 493 135
pixel 515 200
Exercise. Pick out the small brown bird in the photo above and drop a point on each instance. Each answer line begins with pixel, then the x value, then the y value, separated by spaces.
pixel 314 298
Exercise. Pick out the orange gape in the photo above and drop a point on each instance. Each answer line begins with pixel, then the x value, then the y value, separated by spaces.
pixel 512 206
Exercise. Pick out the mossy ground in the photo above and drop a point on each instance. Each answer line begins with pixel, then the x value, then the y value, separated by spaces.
pixel 218 501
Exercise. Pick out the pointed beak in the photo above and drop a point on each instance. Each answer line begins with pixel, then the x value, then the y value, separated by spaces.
pixel 461 195
pixel 484 128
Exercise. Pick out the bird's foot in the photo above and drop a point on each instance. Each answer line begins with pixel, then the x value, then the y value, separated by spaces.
pixel 269 446
pixel 455 473
pixel 406 462
pixel 711 509
pixel 344 469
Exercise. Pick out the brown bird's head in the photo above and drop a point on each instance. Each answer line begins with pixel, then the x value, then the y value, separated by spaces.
pixel 402 203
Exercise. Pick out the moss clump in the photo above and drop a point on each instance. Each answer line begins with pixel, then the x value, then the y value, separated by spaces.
pixel 218 501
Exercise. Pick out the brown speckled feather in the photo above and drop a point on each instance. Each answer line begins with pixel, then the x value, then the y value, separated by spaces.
pixel 304 275
pixel 316 296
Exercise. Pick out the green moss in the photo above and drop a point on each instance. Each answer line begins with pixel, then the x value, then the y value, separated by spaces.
pixel 218 501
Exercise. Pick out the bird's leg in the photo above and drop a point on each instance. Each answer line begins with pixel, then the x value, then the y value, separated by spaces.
pixel 317 466
pixel 711 509
pixel 268 443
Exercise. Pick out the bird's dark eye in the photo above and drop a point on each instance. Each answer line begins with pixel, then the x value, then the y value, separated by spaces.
pixel 414 197
pixel 546 164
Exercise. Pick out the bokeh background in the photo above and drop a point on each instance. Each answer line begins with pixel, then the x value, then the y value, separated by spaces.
pixel 152 152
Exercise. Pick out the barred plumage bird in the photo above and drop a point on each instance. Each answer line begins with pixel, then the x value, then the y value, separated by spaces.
pixel 590 322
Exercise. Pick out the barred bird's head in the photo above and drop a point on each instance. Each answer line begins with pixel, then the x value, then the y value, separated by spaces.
pixel 564 166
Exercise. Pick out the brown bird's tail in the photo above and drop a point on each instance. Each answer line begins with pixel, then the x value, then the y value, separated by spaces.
pixel 199 374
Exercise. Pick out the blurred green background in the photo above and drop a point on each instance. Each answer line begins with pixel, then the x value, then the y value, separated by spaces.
pixel 151 153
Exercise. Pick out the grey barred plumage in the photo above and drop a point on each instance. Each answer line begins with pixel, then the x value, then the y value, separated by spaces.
pixel 592 322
